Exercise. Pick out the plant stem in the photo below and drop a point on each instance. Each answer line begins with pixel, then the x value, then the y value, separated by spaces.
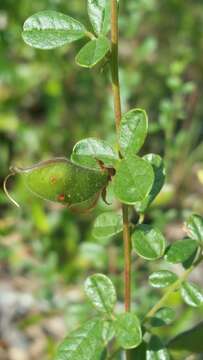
pixel 175 286
pixel 118 114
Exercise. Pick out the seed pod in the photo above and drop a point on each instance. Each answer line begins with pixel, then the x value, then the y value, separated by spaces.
pixel 59 180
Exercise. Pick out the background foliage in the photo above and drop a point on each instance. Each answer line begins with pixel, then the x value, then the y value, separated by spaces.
pixel 47 104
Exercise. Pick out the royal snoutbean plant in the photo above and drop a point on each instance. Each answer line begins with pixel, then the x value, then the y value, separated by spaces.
pixel 136 181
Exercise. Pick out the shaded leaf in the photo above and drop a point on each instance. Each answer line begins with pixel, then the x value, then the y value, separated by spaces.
pixel 140 352
pixel 192 294
pixel 87 151
pixel 164 316
pixel 162 278
pixel 181 250
pixel 190 340
pixel 101 292
pixel 156 350
pixel 128 330
pixel 99 14
pixel 159 178
pixel 148 242
pixel 133 180
pixel 107 225
pixel 84 343
pixel 194 227
pixel 133 131
pixel 50 29
pixel 93 52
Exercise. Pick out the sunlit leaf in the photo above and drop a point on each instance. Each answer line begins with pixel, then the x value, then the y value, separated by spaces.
pixel 93 52
pixel 50 29
pixel 128 330
pixel 83 344
pixel 107 225
pixel 164 316
pixel 88 151
pixel 192 294
pixel 148 242
pixel 133 180
pixel 133 131
pixel 181 250
pixel 162 278
pixel 194 226
pixel 101 292
pixel 99 14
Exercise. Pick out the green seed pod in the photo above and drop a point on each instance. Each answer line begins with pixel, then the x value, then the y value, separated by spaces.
pixel 59 180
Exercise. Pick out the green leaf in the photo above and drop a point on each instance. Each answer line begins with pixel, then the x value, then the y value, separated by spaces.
pixel 108 331
pixel 159 178
pixel 162 278
pixel 194 227
pixel 87 151
pixel 148 242
pixel 83 344
pixel 192 294
pixel 133 180
pixel 50 29
pixel 164 316
pixel 101 292
pixel 190 340
pixel 140 352
pixel 99 14
pixel 181 250
pixel 156 350
pixel 93 52
pixel 133 131
pixel 128 330
pixel 107 225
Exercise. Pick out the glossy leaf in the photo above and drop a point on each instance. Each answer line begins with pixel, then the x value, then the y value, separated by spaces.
pixel 162 278
pixel 101 292
pixel 148 242
pixel 133 180
pixel 59 180
pixel 190 340
pixel 99 14
pixel 181 250
pixel 83 344
pixel 93 52
pixel 194 227
pixel 164 316
pixel 133 131
pixel 51 29
pixel 87 151
pixel 192 294
pixel 156 350
pixel 107 225
pixel 159 178
pixel 128 330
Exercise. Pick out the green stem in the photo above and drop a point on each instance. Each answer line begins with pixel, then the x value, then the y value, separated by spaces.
pixel 175 286
pixel 118 114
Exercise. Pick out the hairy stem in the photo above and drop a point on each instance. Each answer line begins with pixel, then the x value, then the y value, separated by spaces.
pixel 118 114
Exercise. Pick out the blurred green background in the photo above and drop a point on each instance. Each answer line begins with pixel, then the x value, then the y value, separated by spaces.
pixel 47 104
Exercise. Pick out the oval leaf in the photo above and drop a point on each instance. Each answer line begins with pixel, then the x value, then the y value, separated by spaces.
pixel 194 227
pixel 133 180
pixel 159 178
pixel 192 294
pixel 164 316
pixel 128 330
pixel 99 14
pixel 107 225
pixel 51 29
pixel 77 344
pixel 101 292
pixel 162 278
pixel 156 350
pixel 133 131
pixel 148 242
pixel 93 52
pixel 181 251
pixel 88 151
